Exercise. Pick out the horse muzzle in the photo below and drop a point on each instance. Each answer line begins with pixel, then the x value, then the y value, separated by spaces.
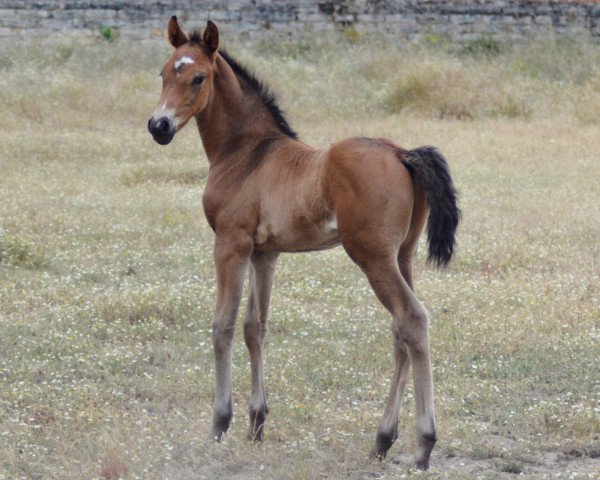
pixel 162 129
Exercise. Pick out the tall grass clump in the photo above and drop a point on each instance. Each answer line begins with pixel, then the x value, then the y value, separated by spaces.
pixel 586 102
pixel 564 60
pixel 485 46
pixel 446 88
pixel 564 70
pixel 486 78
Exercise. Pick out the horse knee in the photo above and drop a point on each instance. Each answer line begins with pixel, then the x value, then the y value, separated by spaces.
pixel 222 336
pixel 254 333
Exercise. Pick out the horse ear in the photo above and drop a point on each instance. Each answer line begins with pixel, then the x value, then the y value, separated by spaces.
pixel 210 39
pixel 176 36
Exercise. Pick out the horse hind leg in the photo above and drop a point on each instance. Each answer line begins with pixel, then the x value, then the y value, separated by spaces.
pixel 413 328
pixel 419 351
pixel 411 340
pixel 262 269
pixel 387 433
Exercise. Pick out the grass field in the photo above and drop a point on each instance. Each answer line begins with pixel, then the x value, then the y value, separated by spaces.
pixel 107 284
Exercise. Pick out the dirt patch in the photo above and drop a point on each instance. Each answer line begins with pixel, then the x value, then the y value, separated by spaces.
pixel 500 457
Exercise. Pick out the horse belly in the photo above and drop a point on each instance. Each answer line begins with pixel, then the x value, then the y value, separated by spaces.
pixel 298 235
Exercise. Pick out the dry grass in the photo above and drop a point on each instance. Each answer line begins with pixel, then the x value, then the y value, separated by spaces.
pixel 107 283
pixel 449 89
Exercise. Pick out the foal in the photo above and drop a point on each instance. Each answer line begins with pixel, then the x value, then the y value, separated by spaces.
pixel 267 192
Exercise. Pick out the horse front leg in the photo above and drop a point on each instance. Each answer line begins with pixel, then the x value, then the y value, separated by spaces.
pixel 231 260
pixel 262 270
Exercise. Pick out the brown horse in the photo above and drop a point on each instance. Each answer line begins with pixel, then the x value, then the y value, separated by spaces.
pixel 267 192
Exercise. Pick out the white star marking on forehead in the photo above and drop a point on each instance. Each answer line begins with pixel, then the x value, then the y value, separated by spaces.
pixel 183 61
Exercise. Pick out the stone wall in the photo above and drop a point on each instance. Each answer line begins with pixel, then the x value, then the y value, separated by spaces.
pixel 461 20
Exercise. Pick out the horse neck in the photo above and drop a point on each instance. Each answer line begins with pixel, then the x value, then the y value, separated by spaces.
pixel 234 117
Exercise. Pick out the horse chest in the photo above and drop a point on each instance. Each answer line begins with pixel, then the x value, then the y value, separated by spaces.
pixel 225 205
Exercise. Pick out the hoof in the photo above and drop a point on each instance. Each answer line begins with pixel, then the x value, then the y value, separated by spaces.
pixel 377 455
pixel 255 437
pixel 220 425
pixel 257 424
pixel 215 436
pixel 424 449
pixel 383 443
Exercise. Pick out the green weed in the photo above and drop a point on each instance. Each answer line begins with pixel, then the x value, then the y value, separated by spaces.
pixel 108 34
pixel 486 46
pixel 18 253
pixel 352 35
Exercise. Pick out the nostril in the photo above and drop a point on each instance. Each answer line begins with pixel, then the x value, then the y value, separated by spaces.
pixel 162 129
pixel 163 125
pixel 159 126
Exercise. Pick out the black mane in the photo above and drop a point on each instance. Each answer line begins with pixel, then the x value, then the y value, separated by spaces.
pixel 265 94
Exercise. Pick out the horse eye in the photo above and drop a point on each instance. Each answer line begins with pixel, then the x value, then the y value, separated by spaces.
pixel 198 80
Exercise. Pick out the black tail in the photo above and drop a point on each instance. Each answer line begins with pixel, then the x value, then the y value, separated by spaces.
pixel 429 167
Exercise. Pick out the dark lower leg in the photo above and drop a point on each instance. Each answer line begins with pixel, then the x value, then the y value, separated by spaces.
pixel 255 330
pixel 231 260
pixel 222 409
pixel 426 427
pixel 388 426
pixel 254 334
pixel 257 423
